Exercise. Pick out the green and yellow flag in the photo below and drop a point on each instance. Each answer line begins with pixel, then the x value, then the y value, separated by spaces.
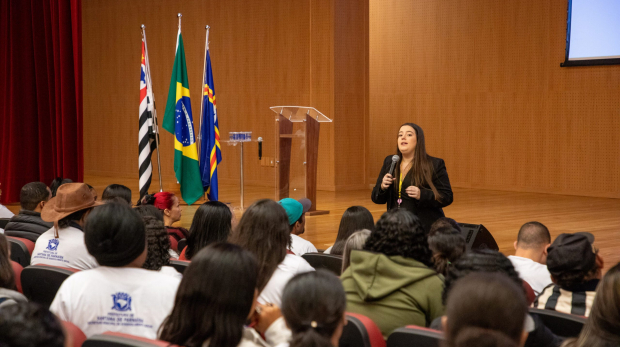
pixel 178 121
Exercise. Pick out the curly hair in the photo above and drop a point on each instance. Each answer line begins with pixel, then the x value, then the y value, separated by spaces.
pixel 568 279
pixel 399 232
pixel 158 244
pixel 447 245
pixel 484 260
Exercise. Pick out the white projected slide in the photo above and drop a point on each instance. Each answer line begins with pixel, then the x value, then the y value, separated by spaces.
pixel 594 30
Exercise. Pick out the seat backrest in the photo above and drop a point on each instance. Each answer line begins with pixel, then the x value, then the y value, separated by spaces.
pixel 174 244
pixel 413 335
pixel 530 296
pixel 181 245
pixel 4 222
pixel 179 265
pixel 21 249
pixel 360 331
pixel 74 333
pixel 17 272
pixel 329 262
pixel 111 339
pixel 561 324
pixel 40 283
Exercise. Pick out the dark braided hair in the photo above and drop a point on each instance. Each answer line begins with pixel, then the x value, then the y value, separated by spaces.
pixel 448 245
pixel 158 244
pixel 399 232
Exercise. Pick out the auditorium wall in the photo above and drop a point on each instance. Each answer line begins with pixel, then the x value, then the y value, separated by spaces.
pixel 483 79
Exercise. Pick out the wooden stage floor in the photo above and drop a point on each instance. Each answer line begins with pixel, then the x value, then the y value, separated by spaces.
pixel 501 212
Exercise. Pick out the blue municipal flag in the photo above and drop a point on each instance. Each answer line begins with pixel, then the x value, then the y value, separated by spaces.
pixel 210 150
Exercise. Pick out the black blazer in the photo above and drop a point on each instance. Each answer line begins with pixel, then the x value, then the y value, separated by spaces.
pixel 427 208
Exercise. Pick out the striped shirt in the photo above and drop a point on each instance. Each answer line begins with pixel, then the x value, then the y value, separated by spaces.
pixel 577 302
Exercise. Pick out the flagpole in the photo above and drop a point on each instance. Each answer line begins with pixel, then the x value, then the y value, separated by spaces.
pixel 179 15
pixel 155 123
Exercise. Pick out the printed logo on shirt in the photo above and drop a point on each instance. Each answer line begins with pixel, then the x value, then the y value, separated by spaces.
pixel 122 302
pixel 52 245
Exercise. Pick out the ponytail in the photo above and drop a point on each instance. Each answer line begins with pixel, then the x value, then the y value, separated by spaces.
pixel 448 245
pixel 480 337
pixel 311 335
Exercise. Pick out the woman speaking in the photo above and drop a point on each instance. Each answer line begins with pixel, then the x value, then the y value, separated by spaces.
pixel 419 183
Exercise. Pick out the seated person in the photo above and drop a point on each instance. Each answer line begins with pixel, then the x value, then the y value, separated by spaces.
pixel 296 212
pixel 116 192
pixel 313 306
pixel 31 325
pixel 158 248
pixel 28 223
pixel 212 223
pixel 355 218
pixel 214 313
pixel 63 244
pixel 8 291
pixel 530 257
pixel 603 326
pixel 485 309
pixel 575 268
pixel 264 231
pixel 170 207
pixel 150 210
pixel 448 245
pixel 119 295
pixel 355 242
pixel 392 280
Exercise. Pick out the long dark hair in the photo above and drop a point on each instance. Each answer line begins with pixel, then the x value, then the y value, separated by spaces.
pixel 214 298
pixel 264 231
pixel 422 169
pixel 7 278
pixel 313 306
pixel 117 191
pixel 448 245
pixel 158 251
pixel 354 218
pixel 211 224
pixel 602 328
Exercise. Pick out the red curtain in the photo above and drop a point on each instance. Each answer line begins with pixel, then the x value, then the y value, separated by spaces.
pixel 40 93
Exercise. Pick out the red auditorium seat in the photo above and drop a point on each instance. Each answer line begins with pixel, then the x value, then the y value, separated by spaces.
pixel 17 271
pixel 529 293
pixel 562 324
pixel 21 249
pixel 413 335
pixel 181 245
pixel 74 333
pixel 110 339
pixel 360 331
pixel 41 282
pixel 179 265
pixel 329 262
pixel 174 244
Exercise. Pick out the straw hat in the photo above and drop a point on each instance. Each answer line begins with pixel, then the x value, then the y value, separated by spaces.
pixel 70 198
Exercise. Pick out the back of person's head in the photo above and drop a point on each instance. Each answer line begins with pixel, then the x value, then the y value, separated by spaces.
pixel 480 261
pixel 116 191
pixel 399 232
pixel 114 234
pixel 448 245
pixel 214 298
pixel 161 200
pixel 356 241
pixel 355 218
pixel 30 325
pixel 572 260
pixel 602 328
pixel 211 223
pixel 150 210
pixel 485 310
pixel 313 306
pixel 32 194
pixel 264 231
pixel 7 277
pixel 533 235
pixel 57 182
pixel 444 222
pixel 158 244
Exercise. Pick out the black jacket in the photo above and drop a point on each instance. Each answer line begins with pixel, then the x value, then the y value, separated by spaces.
pixel 427 208
pixel 27 224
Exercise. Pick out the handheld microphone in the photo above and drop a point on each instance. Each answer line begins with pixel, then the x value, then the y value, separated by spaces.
pixel 395 159
pixel 260 148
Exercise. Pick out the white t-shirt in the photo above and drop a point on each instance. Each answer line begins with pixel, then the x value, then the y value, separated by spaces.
pixel 535 274
pixel 287 269
pixel 68 250
pixel 301 246
pixel 5 212
pixel 170 271
pixel 329 250
pixel 126 300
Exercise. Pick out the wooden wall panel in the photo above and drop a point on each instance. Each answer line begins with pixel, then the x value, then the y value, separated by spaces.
pixel 482 78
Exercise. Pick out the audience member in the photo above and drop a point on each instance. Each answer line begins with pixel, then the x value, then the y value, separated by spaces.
pixel 485 310
pixel 355 218
pixel 63 244
pixel 8 294
pixel 211 223
pixel 158 247
pixel 170 206
pixel 296 212
pixel 356 241
pixel 392 281
pixel 313 306
pixel 216 298
pixel 448 245
pixel 264 231
pixel 57 182
pixel 575 268
pixel 28 223
pixel 150 210
pixel 31 325
pixel 530 256
pixel 4 212
pixel 119 295
pixel 602 328
pixel 115 191
pixel 445 222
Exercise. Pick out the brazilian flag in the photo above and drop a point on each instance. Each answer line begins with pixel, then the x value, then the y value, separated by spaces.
pixel 178 121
